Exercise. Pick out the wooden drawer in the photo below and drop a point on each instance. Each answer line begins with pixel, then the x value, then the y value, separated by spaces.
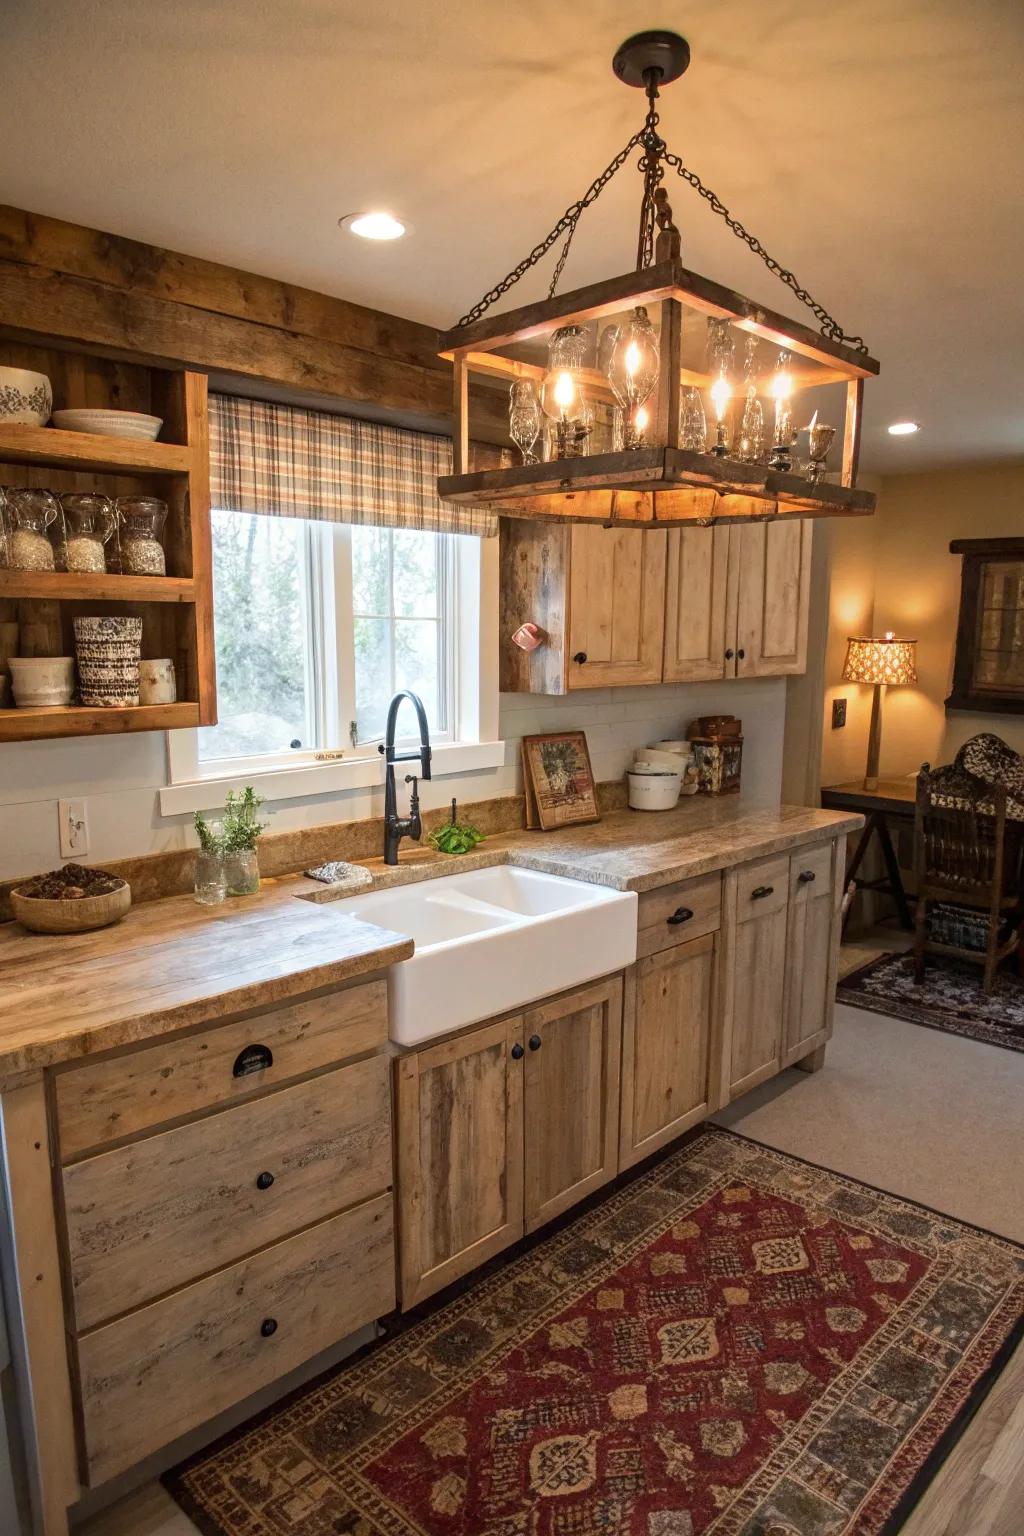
pixel 122 1095
pixel 148 1378
pixel 145 1218
pixel 661 919
pixel 809 870
pixel 762 888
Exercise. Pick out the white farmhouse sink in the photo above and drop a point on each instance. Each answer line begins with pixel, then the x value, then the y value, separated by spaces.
pixel 492 940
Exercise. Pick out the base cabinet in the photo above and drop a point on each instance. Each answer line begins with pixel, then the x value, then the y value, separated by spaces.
pixel 459 1110
pixel 815 893
pixel 502 1129
pixel 756 907
pixel 669 1019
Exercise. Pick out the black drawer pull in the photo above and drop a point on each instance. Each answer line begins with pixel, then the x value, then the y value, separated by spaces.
pixel 534 1042
pixel 580 657
pixel 254 1058
pixel 680 915
pixel 268 1327
pixel 517 1052
pixel 805 876
pixel 740 654
pixel 760 891
pixel 729 654
pixel 264 1180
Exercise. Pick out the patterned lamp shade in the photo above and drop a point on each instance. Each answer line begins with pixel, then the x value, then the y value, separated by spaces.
pixel 886 660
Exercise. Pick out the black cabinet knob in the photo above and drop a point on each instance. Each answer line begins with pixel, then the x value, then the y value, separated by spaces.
pixel 534 1042
pixel 253 1058
pixel 760 891
pixel 268 1327
pixel 729 654
pixel 805 876
pixel 517 1052
pixel 264 1180
pixel 680 915
pixel 740 654
pixel 580 657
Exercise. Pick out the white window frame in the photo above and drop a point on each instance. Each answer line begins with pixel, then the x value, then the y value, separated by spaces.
pixel 472 742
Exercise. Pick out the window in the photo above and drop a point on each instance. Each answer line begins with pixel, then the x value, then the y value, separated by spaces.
pixel 988 669
pixel 317 625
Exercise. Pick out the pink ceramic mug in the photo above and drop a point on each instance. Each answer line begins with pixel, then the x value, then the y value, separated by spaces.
pixel 528 637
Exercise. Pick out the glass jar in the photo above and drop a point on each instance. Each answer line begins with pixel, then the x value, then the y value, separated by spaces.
pixel 242 872
pixel 88 524
pixel 210 882
pixel 141 522
pixel 30 513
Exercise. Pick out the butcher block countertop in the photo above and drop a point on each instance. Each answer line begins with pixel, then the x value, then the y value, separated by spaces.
pixel 171 964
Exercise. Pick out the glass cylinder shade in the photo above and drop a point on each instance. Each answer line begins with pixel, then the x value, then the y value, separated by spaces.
pixel 561 394
pixel 882 660
pixel 631 362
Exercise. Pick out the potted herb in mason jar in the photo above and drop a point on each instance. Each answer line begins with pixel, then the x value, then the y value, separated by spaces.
pixel 209 888
pixel 242 829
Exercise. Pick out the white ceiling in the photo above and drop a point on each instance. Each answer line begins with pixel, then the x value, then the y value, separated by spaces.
pixel 873 146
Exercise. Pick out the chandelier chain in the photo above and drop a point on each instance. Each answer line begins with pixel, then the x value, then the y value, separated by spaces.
pixel 653 159
pixel 830 327
pixel 568 221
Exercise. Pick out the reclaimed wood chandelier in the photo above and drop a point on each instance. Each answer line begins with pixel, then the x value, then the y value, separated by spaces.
pixel 659 396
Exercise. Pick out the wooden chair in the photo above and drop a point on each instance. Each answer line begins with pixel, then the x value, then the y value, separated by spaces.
pixel 968 855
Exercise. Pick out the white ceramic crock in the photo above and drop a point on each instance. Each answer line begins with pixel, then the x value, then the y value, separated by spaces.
pixel 26 398
pixel 653 789
pixel 42 680
pixel 157 683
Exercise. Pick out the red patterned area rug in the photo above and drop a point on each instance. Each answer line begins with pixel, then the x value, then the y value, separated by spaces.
pixel 734 1342
pixel 949 998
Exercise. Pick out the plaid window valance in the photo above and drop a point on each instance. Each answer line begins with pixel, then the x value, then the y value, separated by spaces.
pixel 287 462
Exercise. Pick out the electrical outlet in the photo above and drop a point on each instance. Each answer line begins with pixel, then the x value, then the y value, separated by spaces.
pixel 838 714
pixel 74 829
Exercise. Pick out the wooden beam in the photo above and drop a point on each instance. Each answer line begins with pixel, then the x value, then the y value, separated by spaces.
pixel 667 429
pixel 132 267
pixel 851 431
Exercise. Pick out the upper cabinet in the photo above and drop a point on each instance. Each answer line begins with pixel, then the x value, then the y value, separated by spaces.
pixel 621 606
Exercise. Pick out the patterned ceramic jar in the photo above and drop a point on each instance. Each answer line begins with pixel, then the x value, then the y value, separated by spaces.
pixel 25 397
pixel 108 652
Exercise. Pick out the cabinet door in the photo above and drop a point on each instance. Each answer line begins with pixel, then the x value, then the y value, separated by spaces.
pixel 756 905
pixel 460 1155
pixel 773 576
pixel 666 1047
pixel 616 606
pixel 695 599
pixel 811 951
pixel 572 1097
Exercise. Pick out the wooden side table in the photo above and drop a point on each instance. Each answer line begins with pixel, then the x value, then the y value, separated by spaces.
pixel 893 800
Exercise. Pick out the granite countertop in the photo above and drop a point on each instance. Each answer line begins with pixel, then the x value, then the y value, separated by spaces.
pixel 170 964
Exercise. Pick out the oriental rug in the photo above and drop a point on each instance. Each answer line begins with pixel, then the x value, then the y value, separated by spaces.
pixel 734 1342
pixel 949 998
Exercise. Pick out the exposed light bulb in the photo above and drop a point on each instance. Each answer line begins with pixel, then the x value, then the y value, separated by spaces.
pixel 632 359
pixel 565 391
pixel 721 394
pixel 641 419
pixel 781 385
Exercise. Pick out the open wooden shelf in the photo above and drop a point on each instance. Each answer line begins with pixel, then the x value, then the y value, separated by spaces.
pixel 50 448
pixel 33 724
pixel 97 586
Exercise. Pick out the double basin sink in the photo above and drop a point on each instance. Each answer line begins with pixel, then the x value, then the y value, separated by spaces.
pixel 491 940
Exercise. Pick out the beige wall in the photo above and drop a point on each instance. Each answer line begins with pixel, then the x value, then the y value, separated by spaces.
pixel 894 571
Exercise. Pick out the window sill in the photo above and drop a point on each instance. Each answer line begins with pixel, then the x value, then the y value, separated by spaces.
pixel 207 793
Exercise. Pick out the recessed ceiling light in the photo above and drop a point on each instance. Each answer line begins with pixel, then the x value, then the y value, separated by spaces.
pixel 903 428
pixel 374 226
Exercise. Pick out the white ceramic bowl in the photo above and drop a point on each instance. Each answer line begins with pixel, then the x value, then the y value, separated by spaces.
pixel 660 757
pixel 26 398
pixel 42 680
pixel 110 423
pixel 674 746
pixel 654 789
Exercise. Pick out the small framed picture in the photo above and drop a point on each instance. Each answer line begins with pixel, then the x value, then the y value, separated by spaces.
pixel 558 781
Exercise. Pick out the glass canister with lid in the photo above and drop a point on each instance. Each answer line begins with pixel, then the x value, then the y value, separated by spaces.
pixel 140 523
pixel 88 524
pixel 30 513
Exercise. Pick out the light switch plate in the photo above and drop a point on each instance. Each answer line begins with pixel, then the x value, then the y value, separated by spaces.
pixel 74 829
pixel 838 714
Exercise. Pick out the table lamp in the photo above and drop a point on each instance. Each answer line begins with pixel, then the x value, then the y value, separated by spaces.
pixel 879 662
